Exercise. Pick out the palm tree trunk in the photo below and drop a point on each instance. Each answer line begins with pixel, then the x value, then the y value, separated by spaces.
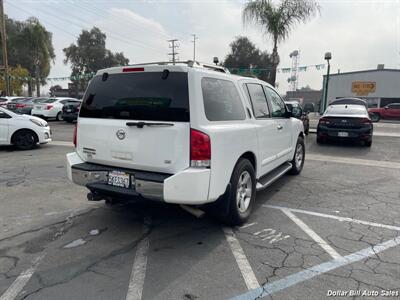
pixel 37 81
pixel 275 62
pixel 30 88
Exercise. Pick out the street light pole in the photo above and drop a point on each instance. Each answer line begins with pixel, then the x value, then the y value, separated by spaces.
pixel 328 56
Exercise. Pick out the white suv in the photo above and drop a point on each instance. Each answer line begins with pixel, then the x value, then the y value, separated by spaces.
pixel 187 133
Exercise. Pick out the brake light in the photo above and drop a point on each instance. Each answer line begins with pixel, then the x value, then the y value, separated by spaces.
pixel 19 105
pixel 132 70
pixel 324 121
pixel 75 135
pixel 365 120
pixel 77 108
pixel 200 149
pixel 48 107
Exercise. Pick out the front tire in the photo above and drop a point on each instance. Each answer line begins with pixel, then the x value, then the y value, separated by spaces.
pixel 298 157
pixel 25 140
pixel 242 193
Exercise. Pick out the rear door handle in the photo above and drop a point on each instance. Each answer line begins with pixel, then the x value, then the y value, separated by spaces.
pixel 280 127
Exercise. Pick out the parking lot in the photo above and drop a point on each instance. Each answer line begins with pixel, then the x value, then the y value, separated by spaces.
pixel 331 231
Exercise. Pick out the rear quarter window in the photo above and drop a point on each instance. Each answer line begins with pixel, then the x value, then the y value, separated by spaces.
pixel 221 100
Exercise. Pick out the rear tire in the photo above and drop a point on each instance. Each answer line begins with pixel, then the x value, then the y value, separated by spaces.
pixel 298 157
pixel 368 143
pixel 375 117
pixel 59 117
pixel 242 193
pixel 25 140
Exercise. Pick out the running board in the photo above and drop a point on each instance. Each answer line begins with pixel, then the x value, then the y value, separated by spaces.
pixel 271 177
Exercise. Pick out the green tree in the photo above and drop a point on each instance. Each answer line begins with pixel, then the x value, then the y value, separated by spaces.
pixel 30 45
pixel 18 77
pixel 89 54
pixel 277 20
pixel 245 55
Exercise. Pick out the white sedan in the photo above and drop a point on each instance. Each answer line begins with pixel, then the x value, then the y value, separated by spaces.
pixel 23 131
pixel 51 108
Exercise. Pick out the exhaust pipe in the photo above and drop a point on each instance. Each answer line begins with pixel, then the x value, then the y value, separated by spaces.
pixel 94 197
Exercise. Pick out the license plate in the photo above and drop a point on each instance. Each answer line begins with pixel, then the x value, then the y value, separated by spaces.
pixel 38 107
pixel 118 178
pixel 343 134
pixel 69 110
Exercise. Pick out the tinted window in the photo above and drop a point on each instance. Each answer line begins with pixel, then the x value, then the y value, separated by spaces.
pixel 3 99
pixel 394 106
pixel 138 96
pixel 258 100
pixel 49 101
pixel 3 115
pixel 347 110
pixel 278 108
pixel 221 100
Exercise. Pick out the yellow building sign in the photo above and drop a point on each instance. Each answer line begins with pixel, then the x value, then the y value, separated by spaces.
pixel 363 88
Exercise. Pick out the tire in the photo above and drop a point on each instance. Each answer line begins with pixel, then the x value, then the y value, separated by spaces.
pixel 242 193
pixel 376 117
pixel 59 117
pixel 69 120
pixel 320 140
pixel 298 157
pixel 25 140
pixel 368 143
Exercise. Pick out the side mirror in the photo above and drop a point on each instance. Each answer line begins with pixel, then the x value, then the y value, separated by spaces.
pixel 296 112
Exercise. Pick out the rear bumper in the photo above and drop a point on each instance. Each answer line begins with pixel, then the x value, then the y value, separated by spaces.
pixel 69 116
pixel 187 187
pixel 364 133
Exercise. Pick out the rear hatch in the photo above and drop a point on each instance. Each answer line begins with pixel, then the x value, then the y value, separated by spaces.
pixel 71 107
pixel 137 120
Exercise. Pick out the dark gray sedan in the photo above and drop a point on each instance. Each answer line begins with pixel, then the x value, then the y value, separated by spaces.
pixel 25 105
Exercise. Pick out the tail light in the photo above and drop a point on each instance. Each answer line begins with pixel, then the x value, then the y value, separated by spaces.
pixel 20 105
pixel 48 107
pixel 365 121
pixel 200 149
pixel 77 108
pixel 75 134
pixel 324 121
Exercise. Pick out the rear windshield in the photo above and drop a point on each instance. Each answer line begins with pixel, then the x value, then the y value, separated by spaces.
pixel 346 110
pixel 49 101
pixel 138 96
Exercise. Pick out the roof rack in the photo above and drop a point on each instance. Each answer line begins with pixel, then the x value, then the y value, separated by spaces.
pixel 189 63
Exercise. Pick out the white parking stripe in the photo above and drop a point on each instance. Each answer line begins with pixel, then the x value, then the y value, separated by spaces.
pixel 332 252
pixel 325 267
pixel 138 274
pixel 16 287
pixel 241 259
pixel 247 225
pixel 346 219
pixel 355 161
pixel 61 143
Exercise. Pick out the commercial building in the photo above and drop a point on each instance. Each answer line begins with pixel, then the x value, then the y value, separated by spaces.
pixel 378 87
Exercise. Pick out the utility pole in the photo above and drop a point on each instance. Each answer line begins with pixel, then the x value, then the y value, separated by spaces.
pixel 173 45
pixel 194 46
pixel 4 40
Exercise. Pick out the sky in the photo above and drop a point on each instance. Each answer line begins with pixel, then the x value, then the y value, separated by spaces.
pixel 359 33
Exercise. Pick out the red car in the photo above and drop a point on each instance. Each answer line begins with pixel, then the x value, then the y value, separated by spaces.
pixel 390 111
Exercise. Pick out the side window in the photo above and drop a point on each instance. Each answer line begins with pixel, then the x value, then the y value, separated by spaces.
pixel 3 115
pixel 221 100
pixel 278 108
pixel 258 100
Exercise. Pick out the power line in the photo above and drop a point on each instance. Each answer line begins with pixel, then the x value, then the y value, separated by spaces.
pixel 173 45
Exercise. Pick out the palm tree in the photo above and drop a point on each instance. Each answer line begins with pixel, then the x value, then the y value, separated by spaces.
pixel 277 20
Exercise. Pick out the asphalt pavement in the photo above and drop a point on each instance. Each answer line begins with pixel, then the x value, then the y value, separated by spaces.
pixel 332 229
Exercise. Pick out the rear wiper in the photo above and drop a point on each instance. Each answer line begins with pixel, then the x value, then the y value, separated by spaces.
pixel 142 124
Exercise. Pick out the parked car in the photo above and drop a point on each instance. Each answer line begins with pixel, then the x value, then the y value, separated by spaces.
pixel 70 111
pixel 5 100
pixel 309 107
pixel 390 111
pixel 189 134
pixel 24 105
pixel 23 131
pixel 352 101
pixel 51 108
pixel 345 122
pixel 303 115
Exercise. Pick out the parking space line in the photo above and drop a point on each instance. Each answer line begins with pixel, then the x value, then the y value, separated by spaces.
pixel 325 267
pixel 241 259
pixel 311 233
pixel 16 287
pixel 61 143
pixel 138 274
pixel 346 219
pixel 247 225
pixel 355 161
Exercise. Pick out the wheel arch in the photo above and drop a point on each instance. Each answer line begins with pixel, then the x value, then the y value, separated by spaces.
pixel 252 158
pixel 23 129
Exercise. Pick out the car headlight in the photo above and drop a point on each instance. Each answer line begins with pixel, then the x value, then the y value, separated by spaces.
pixel 38 123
